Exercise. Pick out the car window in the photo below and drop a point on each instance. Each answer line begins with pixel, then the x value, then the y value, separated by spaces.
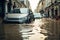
pixel 16 11
pixel 24 10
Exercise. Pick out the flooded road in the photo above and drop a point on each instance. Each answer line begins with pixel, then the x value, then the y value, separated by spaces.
pixel 24 31
pixel 40 29
pixel 36 29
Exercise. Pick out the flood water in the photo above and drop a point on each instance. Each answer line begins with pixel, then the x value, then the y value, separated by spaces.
pixel 36 30
pixel 24 31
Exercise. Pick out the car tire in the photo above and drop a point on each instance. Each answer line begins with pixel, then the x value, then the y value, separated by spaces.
pixel 33 19
pixel 28 21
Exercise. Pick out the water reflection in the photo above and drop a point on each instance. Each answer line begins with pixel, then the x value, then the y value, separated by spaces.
pixel 37 30
pixel 30 32
pixel 33 30
pixel 24 31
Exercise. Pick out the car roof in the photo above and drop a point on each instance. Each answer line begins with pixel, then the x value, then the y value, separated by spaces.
pixel 21 8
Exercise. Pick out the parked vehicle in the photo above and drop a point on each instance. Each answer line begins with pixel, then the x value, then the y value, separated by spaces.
pixel 45 15
pixel 21 15
pixel 37 15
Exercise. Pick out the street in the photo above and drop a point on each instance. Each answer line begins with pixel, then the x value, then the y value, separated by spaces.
pixel 26 31
pixel 40 29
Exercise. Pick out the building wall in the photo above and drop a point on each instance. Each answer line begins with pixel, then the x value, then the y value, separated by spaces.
pixel 53 4
pixel 39 7
pixel 11 4
pixel 17 3
pixel 48 6
pixel 25 3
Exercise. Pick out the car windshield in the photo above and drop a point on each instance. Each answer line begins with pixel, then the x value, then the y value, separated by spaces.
pixel 21 10
pixel 24 10
pixel 15 11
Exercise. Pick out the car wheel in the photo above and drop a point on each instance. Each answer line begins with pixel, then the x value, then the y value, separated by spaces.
pixel 28 21
pixel 33 19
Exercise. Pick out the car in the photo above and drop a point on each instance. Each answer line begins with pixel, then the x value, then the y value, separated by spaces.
pixel 31 15
pixel 37 15
pixel 20 15
pixel 45 15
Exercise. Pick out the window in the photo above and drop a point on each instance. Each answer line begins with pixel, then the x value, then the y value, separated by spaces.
pixel 16 11
pixel 24 10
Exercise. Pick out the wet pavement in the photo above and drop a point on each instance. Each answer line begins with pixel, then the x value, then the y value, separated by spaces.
pixel 24 31
pixel 52 28
pixel 40 29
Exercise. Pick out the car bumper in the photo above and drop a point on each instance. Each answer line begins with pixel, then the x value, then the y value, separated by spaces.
pixel 16 21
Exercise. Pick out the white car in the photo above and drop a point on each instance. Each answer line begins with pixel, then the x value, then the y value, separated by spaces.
pixel 37 15
pixel 21 15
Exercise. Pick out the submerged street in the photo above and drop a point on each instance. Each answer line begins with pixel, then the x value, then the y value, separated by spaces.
pixel 28 31
pixel 40 29
pixel 29 19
